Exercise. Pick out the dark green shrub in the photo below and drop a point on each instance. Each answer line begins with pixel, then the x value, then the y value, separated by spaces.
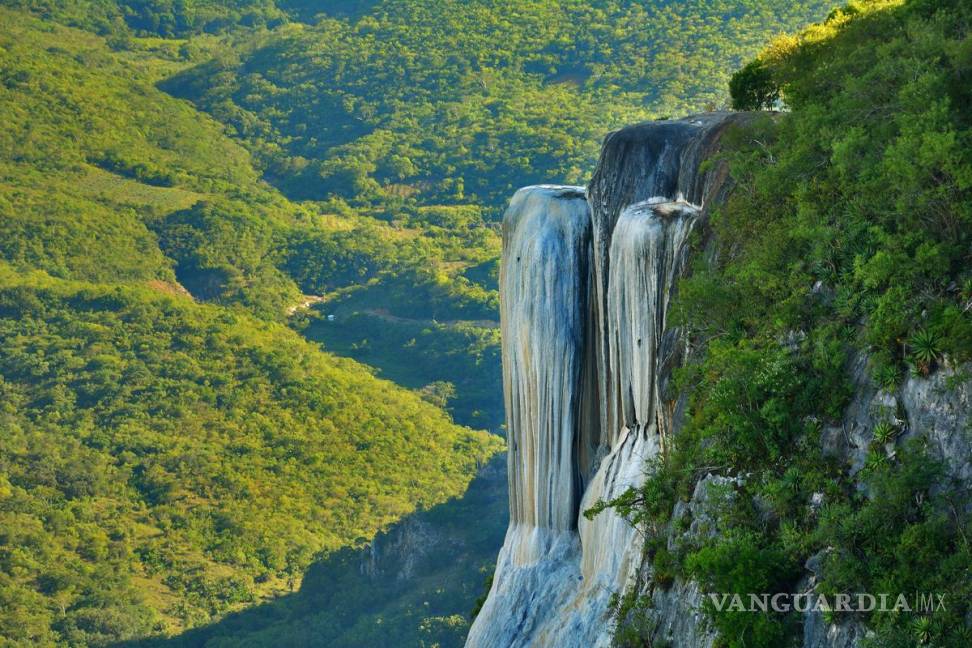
pixel 753 87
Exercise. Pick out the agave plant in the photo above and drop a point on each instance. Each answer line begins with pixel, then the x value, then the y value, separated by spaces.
pixel 887 377
pixel 967 288
pixel 884 432
pixel 922 628
pixel 875 461
pixel 925 350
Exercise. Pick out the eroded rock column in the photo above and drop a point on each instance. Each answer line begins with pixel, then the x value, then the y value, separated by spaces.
pixel 543 303
pixel 544 284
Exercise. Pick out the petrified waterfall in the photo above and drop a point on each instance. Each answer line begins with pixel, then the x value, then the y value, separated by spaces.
pixel 585 282
pixel 545 267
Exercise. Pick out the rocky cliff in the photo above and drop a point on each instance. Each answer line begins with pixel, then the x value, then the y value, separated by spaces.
pixel 586 280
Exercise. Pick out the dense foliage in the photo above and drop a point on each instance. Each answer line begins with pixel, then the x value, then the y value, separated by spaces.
pixel 150 439
pixel 164 461
pixel 413 591
pixel 123 19
pixel 848 233
pixel 467 101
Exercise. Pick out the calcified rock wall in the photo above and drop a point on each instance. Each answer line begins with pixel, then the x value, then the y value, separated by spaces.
pixel 647 254
pixel 585 283
pixel 650 161
pixel 646 258
pixel 546 253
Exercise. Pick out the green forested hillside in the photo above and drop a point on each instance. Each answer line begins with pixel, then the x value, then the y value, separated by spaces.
pixel 428 115
pixel 94 157
pixel 124 19
pixel 466 101
pixel 163 460
pixel 433 113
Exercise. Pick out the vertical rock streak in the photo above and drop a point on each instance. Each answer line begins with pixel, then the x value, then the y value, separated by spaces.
pixel 585 287
pixel 546 241
pixel 647 253
pixel 653 160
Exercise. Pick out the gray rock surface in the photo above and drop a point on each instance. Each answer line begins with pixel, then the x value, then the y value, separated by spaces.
pixel 851 439
pixel 587 358
pixel 817 632
pixel 558 569
pixel 676 611
pixel 935 408
pixel 648 161
pixel 939 408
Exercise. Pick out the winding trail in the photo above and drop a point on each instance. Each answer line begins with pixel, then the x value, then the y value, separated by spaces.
pixel 307 302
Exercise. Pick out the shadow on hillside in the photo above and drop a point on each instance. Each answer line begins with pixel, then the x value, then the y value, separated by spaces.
pixel 404 589
pixel 307 10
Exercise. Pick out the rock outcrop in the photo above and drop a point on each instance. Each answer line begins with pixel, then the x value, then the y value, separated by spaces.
pixel 585 283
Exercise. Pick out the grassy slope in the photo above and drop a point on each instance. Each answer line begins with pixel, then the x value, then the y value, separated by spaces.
pixel 164 460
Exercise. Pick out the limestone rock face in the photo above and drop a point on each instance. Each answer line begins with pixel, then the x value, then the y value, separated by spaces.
pixel 676 610
pixel 939 407
pixel 647 254
pixel 543 303
pixel 585 283
pixel 653 161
